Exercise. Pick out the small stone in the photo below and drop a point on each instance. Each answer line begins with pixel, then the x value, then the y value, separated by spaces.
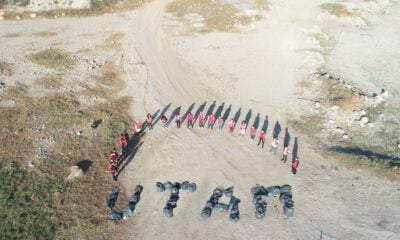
pixel 384 93
pixel 32 15
pixel 18 17
pixel 362 112
pixel 364 119
pixel 340 130
pixel 370 124
pixel 335 107
pixel 331 121
pixel 345 136
pixel 317 105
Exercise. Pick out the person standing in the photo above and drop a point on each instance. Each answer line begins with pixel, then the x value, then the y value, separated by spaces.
pixel 164 121
pixel 261 139
pixel 220 123
pixel 149 121
pixel 231 125
pixel 253 132
pixel 201 120
pixel 138 126
pixel 274 145
pixel 189 120
pixel 122 143
pixel 114 155
pixel 112 168
pixel 286 152
pixel 211 120
pixel 178 120
pixel 242 128
pixel 295 165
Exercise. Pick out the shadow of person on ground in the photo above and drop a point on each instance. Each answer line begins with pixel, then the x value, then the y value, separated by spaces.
pixel 174 113
pixel 286 140
pixel 131 149
pixel 210 110
pixel 248 117
pixel 237 115
pixel 218 112
pixel 277 129
pixel 199 110
pixel 256 121
pixel 190 109
pixel 162 113
pixel 295 149
pixel 226 114
pixel 265 124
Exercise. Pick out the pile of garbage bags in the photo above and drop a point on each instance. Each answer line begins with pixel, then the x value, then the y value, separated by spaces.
pixel 117 214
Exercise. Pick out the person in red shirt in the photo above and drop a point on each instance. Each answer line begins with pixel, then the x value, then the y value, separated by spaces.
pixel 112 168
pixel 189 120
pixel 253 132
pixel 274 144
pixel 114 155
pixel 286 152
pixel 164 121
pixel 122 142
pixel 149 121
pixel 211 120
pixel 138 126
pixel 178 120
pixel 231 125
pixel 242 128
pixel 261 139
pixel 220 123
pixel 201 120
pixel 295 165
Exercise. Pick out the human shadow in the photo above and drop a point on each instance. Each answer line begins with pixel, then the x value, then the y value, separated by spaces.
pixel 199 110
pixel 277 129
pixel 248 117
pixel 131 149
pixel 189 110
pixel 226 114
pixel 219 110
pixel 391 161
pixel 174 113
pixel 210 109
pixel 162 113
pixel 237 115
pixel 286 139
pixel 265 124
pixel 256 121
pixel 295 149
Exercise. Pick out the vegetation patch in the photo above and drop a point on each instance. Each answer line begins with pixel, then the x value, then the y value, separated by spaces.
pixel 111 76
pixel 310 125
pixel 12 35
pixel 6 68
pixel 50 81
pixel 53 58
pixel 45 34
pixel 37 200
pixel 114 41
pixel 336 93
pixel 337 9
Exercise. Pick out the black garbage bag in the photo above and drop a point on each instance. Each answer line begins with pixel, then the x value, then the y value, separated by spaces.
pixel 112 199
pixel 127 213
pixel 177 185
pixel 168 211
pixel 96 123
pixel 192 187
pixel 218 192
pixel 288 211
pixel 175 190
pixel 160 187
pixel 173 200
pixel 235 208
pixel 213 200
pixel 234 217
pixel 168 185
pixel 115 215
pixel 206 213
pixel 256 198
pixel 285 197
pixel 273 190
pixel 260 214
pixel 210 204
pixel 234 201
pixel 222 207
pixel 229 191
pixel 135 198
pixel 185 185
pixel 256 189
pixel 138 189
pixel 263 191
pixel 131 206
pixel 286 188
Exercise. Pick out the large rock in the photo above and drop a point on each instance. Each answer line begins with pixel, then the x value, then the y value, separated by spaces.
pixel 364 120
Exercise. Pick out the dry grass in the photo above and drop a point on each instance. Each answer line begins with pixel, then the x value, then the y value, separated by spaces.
pixel 217 16
pixel 50 81
pixel 6 69
pixel 53 58
pixel 337 9
pixel 337 94
pixel 110 76
pixel 114 41
pixel 12 35
pixel 309 125
pixel 66 209
pixel 45 34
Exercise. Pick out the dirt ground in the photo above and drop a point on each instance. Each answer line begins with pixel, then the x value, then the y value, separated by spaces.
pixel 251 67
